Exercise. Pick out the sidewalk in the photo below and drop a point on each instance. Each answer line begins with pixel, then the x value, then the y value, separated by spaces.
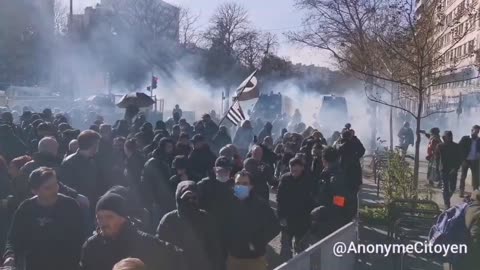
pixel 378 234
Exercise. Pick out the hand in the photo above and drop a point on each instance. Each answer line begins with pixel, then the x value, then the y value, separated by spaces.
pixel 10 261
pixel 283 223
pixel 83 201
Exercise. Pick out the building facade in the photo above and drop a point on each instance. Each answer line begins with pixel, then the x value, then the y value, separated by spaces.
pixel 457 68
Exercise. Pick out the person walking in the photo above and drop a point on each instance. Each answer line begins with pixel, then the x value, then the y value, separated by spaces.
pixel 451 159
pixel 116 239
pixel 47 228
pixel 251 225
pixel 192 229
pixel 295 201
pixel 406 138
pixel 471 158
pixel 433 173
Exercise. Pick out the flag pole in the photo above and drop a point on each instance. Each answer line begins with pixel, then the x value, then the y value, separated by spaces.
pixel 239 94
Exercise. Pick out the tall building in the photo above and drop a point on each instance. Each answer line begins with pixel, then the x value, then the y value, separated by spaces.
pixel 458 68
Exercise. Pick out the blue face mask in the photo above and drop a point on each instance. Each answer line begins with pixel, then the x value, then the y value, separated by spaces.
pixel 241 192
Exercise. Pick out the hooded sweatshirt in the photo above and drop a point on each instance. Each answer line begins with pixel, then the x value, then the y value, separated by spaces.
pixel 193 230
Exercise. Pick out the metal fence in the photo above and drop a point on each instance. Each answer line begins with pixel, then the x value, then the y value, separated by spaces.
pixel 320 256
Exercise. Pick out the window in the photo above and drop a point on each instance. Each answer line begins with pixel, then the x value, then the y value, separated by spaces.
pixel 471 46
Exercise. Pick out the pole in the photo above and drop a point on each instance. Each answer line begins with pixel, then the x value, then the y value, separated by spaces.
pixel 71 14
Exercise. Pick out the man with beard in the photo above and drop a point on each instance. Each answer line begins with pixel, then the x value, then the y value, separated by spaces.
pixel 117 239
pixel 156 176
pixel 471 155
pixel 47 228
pixel 191 229
pixel 295 200
pixel 79 170
pixel 201 160
pixel 251 225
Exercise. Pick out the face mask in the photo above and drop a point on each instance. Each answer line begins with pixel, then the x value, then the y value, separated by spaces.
pixel 223 179
pixel 241 192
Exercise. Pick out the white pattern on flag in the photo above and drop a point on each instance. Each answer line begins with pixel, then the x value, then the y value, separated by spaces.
pixel 235 114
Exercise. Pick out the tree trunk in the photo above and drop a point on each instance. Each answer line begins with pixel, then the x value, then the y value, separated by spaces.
pixel 391 120
pixel 418 118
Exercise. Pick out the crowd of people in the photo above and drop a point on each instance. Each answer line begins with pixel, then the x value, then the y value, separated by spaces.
pixel 171 195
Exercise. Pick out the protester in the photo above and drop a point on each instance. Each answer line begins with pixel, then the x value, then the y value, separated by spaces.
pixel 129 264
pixel 265 132
pixel 221 139
pixel 471 159
pixel 116 239
pixel 261 173
pixel 351 151
pixel 192 229
pixel 183 148
pixel 135 162
pixel 295 201
pixel 251 225
pixel 210 127
pixel 451 159
pixel 180 167
pixel 322 225
pixel 156 176
pixel 10 145
pixel 406 138
pixel 433 173
pixel 79 171
pixel 243 138
pixel 47 228
pixel 201 160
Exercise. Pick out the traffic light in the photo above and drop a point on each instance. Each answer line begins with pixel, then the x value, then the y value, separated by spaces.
pixel 154 82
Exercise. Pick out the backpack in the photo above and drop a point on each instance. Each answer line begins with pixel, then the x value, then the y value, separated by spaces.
pixel 450 229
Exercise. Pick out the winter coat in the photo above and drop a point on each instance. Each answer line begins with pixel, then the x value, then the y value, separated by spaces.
pixel 450 156
pixel 49 238
pixel 192 230
pixel 295 201
pixel 251 225
pixel 101 253
pixel 11 146
pixel 351 151
pixel 210 130
pixel 265 132
pixel 201 163
pixel 334 183
pixel 183 149
pixel 133 173
pixel 216 197
pixel 465 144
pixel 80 173
pixel 220 140
pixel 47 160
pixel 155 178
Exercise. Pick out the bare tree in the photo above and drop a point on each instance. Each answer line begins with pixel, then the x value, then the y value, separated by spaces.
pixel 394 43
pixel 228 27
pixel 60 17
pixel 255 47
pixel 189 33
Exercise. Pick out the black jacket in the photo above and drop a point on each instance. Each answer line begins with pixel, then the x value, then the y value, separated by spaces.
pixel 450 156
pixel 133 172
pixel 100 253
pixel 250 221
pixel 201 163
pixel 350 153
pixel 47 160
pixel 192 230
pixel 50 238
pixel 11 146
pixel 465 144
pixel 81 173
pixel 216 198
pixel 295 201
pixel 155 178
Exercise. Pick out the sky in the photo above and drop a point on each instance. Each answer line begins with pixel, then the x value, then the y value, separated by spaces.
pixel 276 16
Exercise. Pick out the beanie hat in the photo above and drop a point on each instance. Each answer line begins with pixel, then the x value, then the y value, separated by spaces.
pixel 112 202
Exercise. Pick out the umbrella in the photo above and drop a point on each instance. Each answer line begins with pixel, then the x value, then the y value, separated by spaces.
pixel 100 100
pixel 139 100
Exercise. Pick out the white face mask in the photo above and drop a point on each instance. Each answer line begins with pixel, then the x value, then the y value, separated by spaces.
pixel 223 179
